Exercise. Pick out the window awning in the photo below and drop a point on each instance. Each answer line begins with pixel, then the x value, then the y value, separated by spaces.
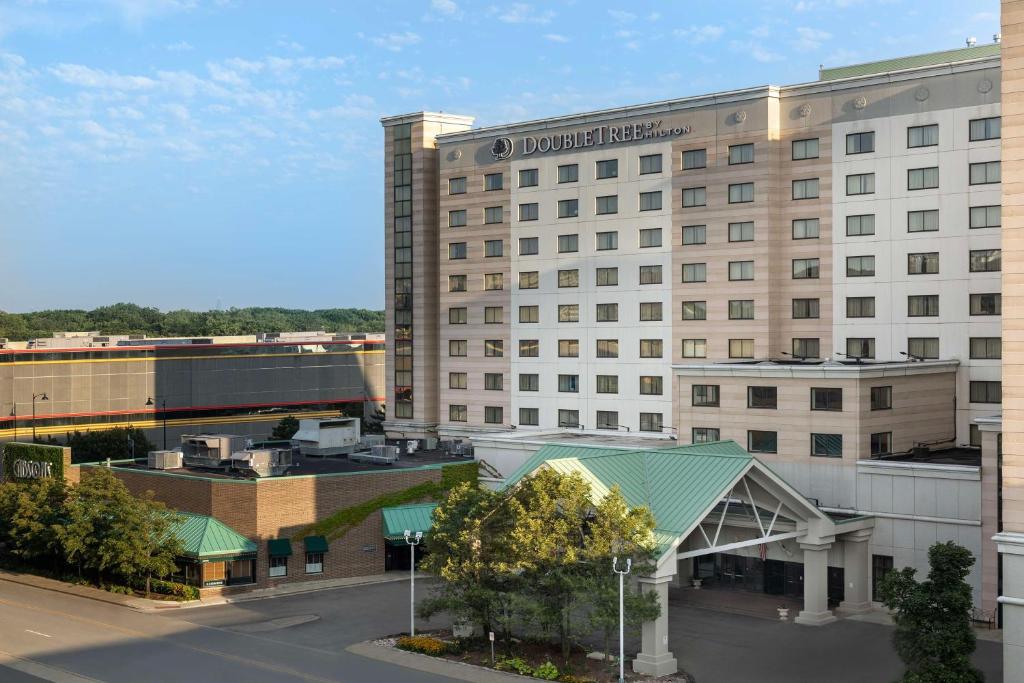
pixel 315 544
pixel 412 517
pixel 279 547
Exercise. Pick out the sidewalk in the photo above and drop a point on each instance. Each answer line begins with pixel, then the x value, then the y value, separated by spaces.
pixel 434 665
pixel 87 592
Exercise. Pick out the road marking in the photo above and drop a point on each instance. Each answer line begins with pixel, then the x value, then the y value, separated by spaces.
pixel 37 633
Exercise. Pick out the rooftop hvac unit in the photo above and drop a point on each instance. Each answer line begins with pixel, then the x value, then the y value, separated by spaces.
pixel 368 441
pixel 334 436
pixel 264 462
pixel 210 450
pixel 164 460
pixel 378 455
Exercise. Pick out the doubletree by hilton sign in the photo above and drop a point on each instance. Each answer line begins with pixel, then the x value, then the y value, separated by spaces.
pixel 503 148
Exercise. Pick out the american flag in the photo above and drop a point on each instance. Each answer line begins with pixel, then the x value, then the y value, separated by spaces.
pixel 762 551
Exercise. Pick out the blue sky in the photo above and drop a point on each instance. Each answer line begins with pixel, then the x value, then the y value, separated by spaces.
pixel 205 153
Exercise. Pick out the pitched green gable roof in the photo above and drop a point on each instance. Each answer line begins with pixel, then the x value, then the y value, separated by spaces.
pixel 205 537
pixel 412 517
pixel 911 62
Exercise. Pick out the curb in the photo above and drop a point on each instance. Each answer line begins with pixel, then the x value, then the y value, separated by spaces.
pixel 460 671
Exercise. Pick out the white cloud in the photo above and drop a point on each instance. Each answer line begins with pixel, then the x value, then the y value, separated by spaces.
pixel 444 6
pixel 396 41
pixel 77 74
pixel 286 44
pixel 522 13
pixel 353 106
pixel 556 38
pixel 696 35
pixel 180 46
pixel 621 15
pixel 125 112
pixel 755 50
pixel 810 38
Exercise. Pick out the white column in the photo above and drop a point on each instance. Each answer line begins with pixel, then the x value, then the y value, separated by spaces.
pixel 815 611
pixel 1011 552
pixel 856 572
pixel 654 658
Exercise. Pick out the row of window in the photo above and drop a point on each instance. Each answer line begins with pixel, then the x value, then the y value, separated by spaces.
pixel 567 173
pixel 650 385
pixel 278 565
pixel 650 311
pixel 603 419
pixel 821 445
pixel 766 397
pixel 925 136
pixel 567 208
pixel 926 220
pixel 923 348
pixel 567 348
pixel 530 246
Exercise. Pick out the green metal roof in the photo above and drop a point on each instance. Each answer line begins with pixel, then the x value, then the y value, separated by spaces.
pixel 315 544
pixel 415 518
pixel 279 547
pixel 911 62
pixel 204 537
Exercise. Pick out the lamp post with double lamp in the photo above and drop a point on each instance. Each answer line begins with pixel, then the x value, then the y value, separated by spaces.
pixel 622 646
pixel 163 409
pixel 412 541
pixel 14 414
pixel 41 397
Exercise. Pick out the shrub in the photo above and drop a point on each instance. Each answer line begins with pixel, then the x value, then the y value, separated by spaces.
pixel 517 664
pixel 423 644
pixel 546 671
pixel 120 590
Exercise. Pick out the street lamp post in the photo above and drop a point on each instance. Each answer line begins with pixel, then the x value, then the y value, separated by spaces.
pixel 163 409
pixel 622 646
pixel 412 541
pixel 41 397
pixel 14 414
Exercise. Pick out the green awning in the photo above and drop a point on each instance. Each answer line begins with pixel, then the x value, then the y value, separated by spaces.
pixel 279 547
pixel 412 517
pixel 205 537
pixel 315 544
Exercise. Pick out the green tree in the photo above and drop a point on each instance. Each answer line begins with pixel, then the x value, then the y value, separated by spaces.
pixel 119 443
pixel 933 633
pixel 285 429
pixel 33 512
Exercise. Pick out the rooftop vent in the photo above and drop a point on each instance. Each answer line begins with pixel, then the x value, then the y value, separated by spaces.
pixel 972 41
pixel 997 38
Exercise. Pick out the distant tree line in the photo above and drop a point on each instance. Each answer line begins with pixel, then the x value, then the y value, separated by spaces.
pixel 132 319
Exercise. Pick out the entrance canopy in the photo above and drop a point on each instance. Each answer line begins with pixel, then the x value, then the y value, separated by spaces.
pixel 413 518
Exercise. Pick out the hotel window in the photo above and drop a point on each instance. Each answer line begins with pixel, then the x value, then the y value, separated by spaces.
pixel 923 221
pixel 607 348
pixel 762 397
pixel 827 445
pixel 860 266
pixel 493 214
pixel 923 347
pixel 986 392
pixel 314 563
pixel 456 250
pixel 923 264
pixel 457 219
pixel 741 348
pixel 607 384
pixel 278 566
pixel 986 304
pixel 494 348
pixel 606 241
pixel 806 347
pixel 456 283
pixel 568 313
pixel 987 348
pixel 694 272
pixel 493 315
pixel 806 228
pixel 650 163
pixel 568 173
pixel 529 348
pixel 741 193
pixel 607 277
pixel 985 129
pixel 705 395
pixel 826 398
pixel 806 308
pixel 607 313
pixel 607 205
pixel 569 384
pixel 986 216
pixel 985 173
pixel 695 348
pixel 650 385
pixel 805 149
pixel 695 234
pixel 569 278
pixel 568 208
pixel 650 348
pixel 986 260
pixel 922 305
pixel 568 348
pixel 493 415
pixel 741 309
pixel 863 224
pixel 494 281
pixel 805 189
pixel 881 398
pixel 881 443
pixel 650 311
pixel 694 196
pixel 529 177
pixel 607 419
pixel 529 279
pixel 805 269
pixel 923 178
pixel 650 237
pixel 457 348
pixel 456 380
pixel 741 232
pixel 529 212
pixel 608 168
pixel 860 347
pixel 860 183
pixel 695 310
pixel 762 442
pixel 568 244
pixel 859 143
pixel 457 316
pixel 651 422
pixel 528 246
pixel 741 270
pixel 457 185
pixel 650 201
pixel 493 181
pixel 529 382
pixel 923 136
pixel 704 434
pixel 650 275
pixel 695 158
pixel 568 418
pixel 741 154
pixel 493 248
pixel 529 417
pixel 493 381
